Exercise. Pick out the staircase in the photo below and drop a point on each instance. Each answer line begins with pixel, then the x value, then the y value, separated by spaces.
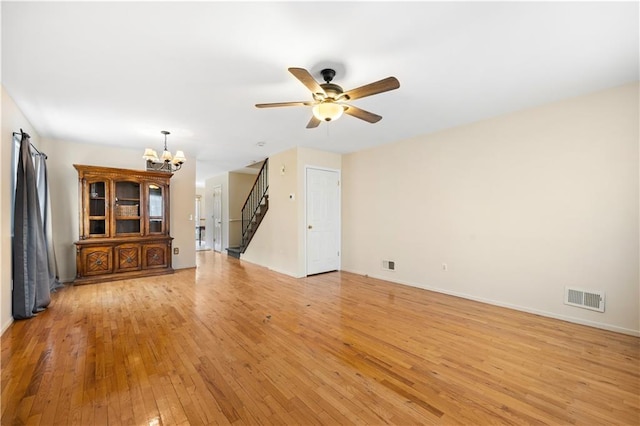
pixel 254 210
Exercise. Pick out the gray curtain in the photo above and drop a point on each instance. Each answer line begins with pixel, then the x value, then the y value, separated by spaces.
pixel 42 183
pixel 32 279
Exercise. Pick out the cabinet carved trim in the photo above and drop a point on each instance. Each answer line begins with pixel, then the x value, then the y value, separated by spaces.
pixel 124 224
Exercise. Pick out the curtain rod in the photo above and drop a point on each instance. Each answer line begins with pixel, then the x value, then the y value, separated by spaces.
pixel 32 145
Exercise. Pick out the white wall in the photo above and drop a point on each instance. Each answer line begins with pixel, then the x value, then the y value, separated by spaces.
pixel 12 121
pixel 518 207
pixel 64 198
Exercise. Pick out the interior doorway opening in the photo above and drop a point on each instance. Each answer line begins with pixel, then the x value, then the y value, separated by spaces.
pixel 217 218
pixel 199 222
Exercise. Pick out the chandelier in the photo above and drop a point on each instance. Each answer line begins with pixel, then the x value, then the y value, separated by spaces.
pixel 166 163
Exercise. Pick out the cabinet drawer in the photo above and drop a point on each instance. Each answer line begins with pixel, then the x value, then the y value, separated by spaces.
pixel 96 260
pixel 127 257
pixel 155 255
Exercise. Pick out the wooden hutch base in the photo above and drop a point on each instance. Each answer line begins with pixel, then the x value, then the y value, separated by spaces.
pixel 119 259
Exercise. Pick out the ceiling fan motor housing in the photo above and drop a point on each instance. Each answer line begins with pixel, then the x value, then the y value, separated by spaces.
pixel 332 90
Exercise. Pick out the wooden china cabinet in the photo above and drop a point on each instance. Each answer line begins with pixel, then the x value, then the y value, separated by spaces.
pixel 124 224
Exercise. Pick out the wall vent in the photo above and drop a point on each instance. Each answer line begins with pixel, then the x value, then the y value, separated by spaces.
pixel 389 265
pixel 580 298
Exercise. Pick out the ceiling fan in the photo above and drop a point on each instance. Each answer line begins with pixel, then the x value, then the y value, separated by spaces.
pixel 329 100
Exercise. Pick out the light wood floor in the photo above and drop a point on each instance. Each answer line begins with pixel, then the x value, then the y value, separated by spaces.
pixel 233 343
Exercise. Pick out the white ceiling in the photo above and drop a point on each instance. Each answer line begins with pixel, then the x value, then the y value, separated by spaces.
pixel 117 73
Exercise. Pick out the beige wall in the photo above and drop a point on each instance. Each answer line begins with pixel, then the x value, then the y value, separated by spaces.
pixel 275 243
pixel 12 121
pixel 279 241
pixel 518 207
pixel 183 195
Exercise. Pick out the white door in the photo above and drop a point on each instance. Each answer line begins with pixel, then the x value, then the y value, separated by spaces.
pixel 323 220
pixel 217 218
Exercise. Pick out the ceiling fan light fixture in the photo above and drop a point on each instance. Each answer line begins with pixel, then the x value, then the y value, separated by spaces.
pixel 328 111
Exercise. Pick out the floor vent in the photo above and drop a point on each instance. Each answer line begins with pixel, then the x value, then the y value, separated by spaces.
pixel 389 265
pixel 593 300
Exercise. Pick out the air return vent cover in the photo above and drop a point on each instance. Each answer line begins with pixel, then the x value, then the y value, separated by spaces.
pixel 389 265
pixel 586 299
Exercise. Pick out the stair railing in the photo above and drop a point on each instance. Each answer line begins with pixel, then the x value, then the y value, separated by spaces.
pixel 251 207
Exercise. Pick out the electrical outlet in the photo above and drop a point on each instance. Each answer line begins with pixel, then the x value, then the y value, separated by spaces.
pixel 176 250
pixel 445 267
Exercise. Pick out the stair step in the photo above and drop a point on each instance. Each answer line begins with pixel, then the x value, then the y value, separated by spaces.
pixel 234 252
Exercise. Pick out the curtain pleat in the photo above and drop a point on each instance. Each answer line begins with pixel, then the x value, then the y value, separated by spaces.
pixel 31 279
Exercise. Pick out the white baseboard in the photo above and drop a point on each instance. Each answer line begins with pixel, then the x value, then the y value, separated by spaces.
pixel 280 271
pixel 553 315
pixel 286 273
pixel 6 326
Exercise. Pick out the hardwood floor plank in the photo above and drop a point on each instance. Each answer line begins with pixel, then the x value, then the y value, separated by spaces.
pixel 234 343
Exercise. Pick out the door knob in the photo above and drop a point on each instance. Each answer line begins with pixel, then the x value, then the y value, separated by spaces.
pixel 310 227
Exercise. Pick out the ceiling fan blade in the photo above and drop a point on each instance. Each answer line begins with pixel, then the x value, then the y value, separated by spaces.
pixel 283 104
pixel 384 85
pixel 362 114
pixel 314 122
pixel 307 79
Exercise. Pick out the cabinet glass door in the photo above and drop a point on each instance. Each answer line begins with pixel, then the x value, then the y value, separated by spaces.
pixel 96 225
pixel 127 208
pixel 156 209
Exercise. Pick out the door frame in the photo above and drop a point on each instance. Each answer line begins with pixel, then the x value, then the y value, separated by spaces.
pixel 305 224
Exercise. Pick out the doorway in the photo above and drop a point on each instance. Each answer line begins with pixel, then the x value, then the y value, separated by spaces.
pixel 217 218
pixel 200 225
pixel 322 220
